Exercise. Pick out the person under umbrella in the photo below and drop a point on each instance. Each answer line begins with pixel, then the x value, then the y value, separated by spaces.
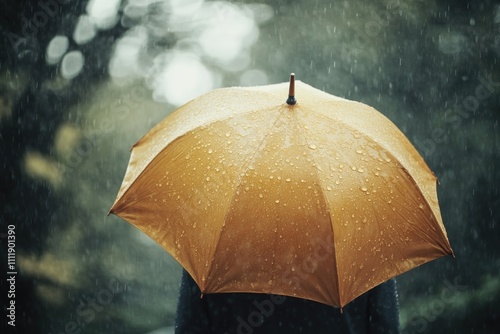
pixel 376 311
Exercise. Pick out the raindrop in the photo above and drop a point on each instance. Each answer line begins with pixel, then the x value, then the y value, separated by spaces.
pixel 277 201
pixel 261 196
pixel 288 179
pixel 312 147
pixel 364 189
pixel 210 151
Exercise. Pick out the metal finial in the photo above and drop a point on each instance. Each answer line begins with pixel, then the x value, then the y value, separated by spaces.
pixel 291 91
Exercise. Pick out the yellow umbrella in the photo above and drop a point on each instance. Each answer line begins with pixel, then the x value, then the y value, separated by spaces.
pixel 322 199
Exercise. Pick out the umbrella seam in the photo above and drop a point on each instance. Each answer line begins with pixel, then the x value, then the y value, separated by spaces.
pixel 327 209
pixel 168 145
pixel 393 126
pixel 234 194
pixel 157 154
pixel 348 126
pixel 440 230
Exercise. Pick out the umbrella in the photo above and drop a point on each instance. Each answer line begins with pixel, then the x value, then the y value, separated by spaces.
pixel 321 198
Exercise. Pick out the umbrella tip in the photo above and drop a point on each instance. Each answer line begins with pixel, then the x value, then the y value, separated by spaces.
pixel 291 91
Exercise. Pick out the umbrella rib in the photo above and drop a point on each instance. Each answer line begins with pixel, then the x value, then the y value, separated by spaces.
pixel 336 119
pixel 156 155
pixel 348 126
pixel 328 206
pixel 244 168
pixel 440 230
pixel 395 128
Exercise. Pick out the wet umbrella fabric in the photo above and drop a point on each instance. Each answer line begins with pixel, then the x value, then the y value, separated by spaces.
pixel 323 199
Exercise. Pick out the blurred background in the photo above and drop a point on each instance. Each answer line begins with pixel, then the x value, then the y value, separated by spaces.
pixel 81 81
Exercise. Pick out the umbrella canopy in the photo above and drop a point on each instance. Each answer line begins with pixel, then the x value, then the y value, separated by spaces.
pixel 321 199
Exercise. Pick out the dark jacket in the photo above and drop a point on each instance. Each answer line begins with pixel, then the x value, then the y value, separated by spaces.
pixel 376 311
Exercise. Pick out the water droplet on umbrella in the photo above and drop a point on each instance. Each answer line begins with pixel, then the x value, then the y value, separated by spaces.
pixel 288 180
pixel 277 201
pixel 312 147
pixel 364 188
pixel 210 151
pixel 260 195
